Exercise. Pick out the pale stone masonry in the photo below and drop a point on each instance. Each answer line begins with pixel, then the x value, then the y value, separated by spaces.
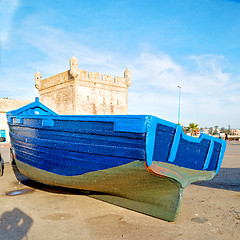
pixel 11 104
pixel 80 92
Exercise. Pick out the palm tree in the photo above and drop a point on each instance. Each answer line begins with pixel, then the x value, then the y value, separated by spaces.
pixel 192 128
pixel 210 131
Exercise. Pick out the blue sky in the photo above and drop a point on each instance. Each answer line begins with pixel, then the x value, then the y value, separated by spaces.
pixel 192 43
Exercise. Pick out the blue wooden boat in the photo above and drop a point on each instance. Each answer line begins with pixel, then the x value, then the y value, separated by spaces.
pixel 139 162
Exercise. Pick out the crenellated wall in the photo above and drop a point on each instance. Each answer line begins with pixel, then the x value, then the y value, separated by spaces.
pixel 77 91
pixel 54 81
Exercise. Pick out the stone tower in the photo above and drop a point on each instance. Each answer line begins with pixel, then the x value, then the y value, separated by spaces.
pixel 38 78
pixel 74 67
pixel 127 76
pixel 77 91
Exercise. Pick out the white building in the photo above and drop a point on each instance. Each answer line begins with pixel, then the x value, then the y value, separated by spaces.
pixel 7 105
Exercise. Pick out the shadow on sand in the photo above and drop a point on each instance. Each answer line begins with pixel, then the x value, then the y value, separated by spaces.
pixel 1 165
pixel 227 179
pixel 14 225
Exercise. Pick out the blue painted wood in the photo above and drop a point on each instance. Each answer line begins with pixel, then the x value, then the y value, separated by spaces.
pixel 195 153
pixel 209 155
pixel 150 139
pixel 128 125
pixel 163 143
pixel 192 155
pixel 19 120
pixel 73 145
pixel 63 162
pixel 47 123
pixel 223 148
pixel 35 108
pixel 175 144
pixel 3 133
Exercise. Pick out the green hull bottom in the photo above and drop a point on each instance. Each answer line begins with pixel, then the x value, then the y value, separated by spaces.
pixel 129 186
pixel 155 190
pixel 165 207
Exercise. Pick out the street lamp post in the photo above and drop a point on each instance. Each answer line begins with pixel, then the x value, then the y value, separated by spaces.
pixel 179 104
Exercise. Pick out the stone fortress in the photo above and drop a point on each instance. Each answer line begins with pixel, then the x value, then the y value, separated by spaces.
pixel 80 92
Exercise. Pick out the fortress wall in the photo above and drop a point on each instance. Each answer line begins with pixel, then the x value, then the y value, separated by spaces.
pixel 55 80
pixel 11 104
pixel 80 92
pixel 59 99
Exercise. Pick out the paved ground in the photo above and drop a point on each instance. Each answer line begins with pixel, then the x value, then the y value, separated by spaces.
pixel 5 152
pixel 210 210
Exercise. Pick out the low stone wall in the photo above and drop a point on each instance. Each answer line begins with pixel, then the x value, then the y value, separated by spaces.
pixel 12 104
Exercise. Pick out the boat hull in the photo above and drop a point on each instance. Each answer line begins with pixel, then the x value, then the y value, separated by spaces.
pixel 129 186
pixel 138 162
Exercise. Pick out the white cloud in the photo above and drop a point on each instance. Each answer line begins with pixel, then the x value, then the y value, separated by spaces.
pixel 161 71
pixel 210 96
pixel 7 10
pixel 207 91
pixel 57 47
pixel 156 70
pixel 152 103
pixel 17 84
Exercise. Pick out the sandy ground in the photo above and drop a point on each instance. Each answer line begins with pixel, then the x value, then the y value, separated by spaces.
pixel 210 210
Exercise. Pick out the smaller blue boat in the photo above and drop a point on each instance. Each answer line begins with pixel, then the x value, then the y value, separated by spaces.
pixel 140 162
